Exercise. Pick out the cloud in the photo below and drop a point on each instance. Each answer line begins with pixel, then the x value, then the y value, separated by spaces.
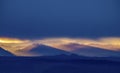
pixel 105 43
pixel 14 45
pixel 12 40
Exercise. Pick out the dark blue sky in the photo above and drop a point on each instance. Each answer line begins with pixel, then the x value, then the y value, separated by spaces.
pixel 52 18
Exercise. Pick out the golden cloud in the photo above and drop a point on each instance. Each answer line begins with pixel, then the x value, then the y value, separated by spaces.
pixel 14 45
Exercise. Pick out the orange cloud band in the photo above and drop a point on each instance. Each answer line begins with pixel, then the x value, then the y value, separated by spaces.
pixel 14 44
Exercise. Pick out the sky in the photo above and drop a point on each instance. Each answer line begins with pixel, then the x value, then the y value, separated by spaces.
pixel 59 24
pixel 59 18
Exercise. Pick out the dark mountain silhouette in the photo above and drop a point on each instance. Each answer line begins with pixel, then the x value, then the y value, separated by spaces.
pixel 43 50
pixel 47 64
pixel 92 51
pixel 5 53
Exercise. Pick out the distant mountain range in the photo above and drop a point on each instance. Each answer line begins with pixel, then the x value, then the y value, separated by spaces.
pixel 90 51
pixel 77 49
pixel 43 50
pixel 56 61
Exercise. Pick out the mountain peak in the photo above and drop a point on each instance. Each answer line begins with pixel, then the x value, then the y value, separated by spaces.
pixel 43 50
pixel 91 51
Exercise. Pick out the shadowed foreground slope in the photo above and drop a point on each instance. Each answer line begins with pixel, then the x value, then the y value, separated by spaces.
pixel 5 53
pixel 56 65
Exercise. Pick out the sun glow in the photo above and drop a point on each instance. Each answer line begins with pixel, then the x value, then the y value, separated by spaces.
pixel 12 40
pixel 15 45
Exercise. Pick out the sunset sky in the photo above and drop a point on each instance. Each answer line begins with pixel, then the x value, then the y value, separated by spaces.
pixel 55 23
pixel 16 45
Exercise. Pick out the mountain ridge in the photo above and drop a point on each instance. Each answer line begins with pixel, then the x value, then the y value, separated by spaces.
pixel 5 53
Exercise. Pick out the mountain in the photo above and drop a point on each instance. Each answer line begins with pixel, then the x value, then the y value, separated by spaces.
pixel 48 64
pixel 43 50
pixel 92 51
pixel 5 53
